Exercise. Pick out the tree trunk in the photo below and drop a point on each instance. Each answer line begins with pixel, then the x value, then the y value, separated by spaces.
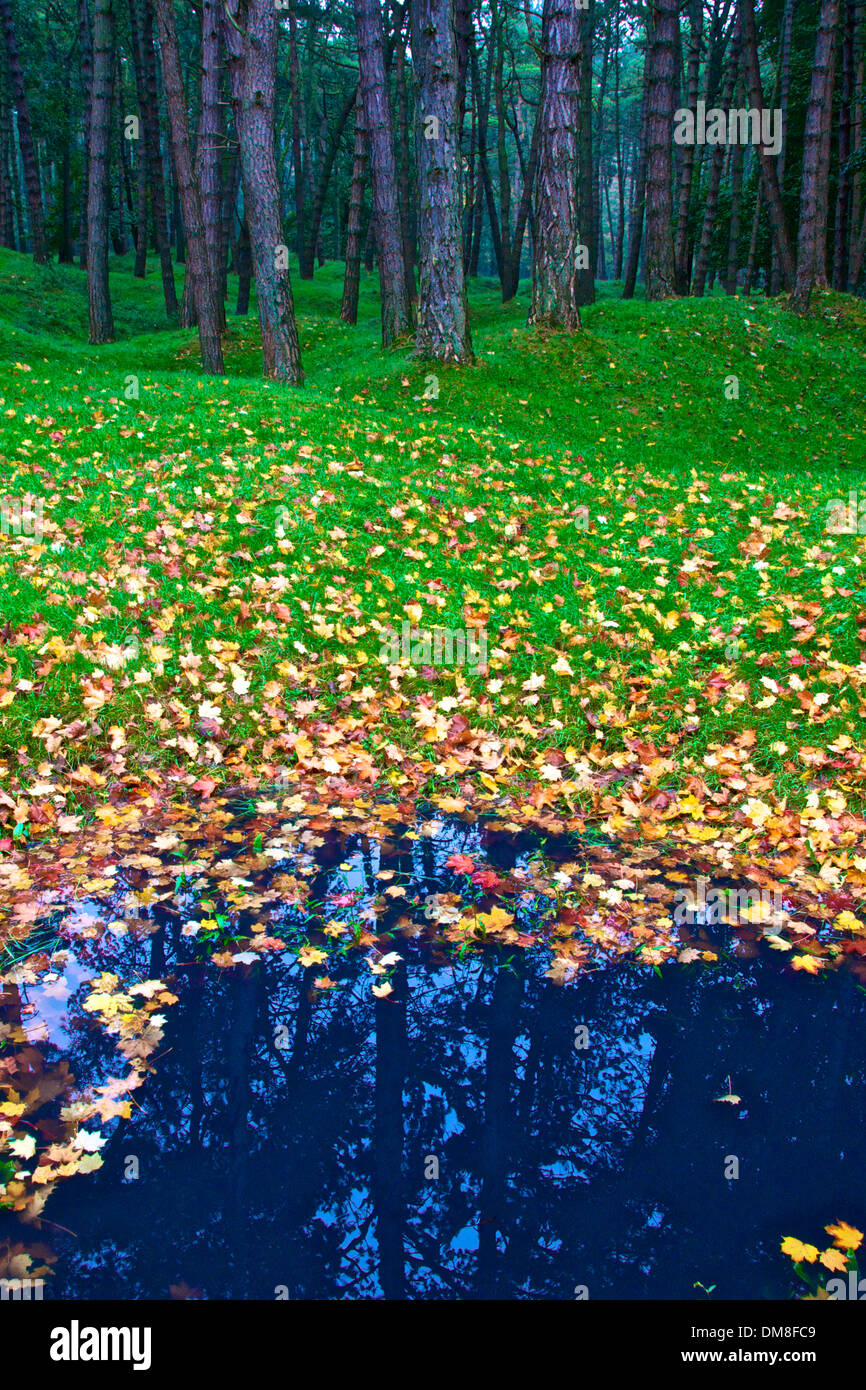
pixel 140 214
pixel 85 44
pixel 25 136
pixel 7 202
pixel 245 271
pixel 636 219
pixel 188 193
pixel 587 225
pixel 842 225
pixel 305 262
pixel 784 89
pixel 403 165
pixel 443 321
pixel 555 269
pixel 661 56
pixel 486 181
pixel 396 312
pixel 682 259
pixel 769 175
pixel 144 61
pixel 251 43
pixel 814 189
pixel 352 279
pixel 101 322
pixel 210 139
pixel 711 204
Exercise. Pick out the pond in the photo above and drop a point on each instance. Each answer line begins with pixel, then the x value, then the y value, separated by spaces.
pixel 474 1129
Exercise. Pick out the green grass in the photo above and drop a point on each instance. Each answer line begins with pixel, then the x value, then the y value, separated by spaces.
pixel 706 526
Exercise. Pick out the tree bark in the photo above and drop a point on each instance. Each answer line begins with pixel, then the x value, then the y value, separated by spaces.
pixel 842 219
pixel 189 193
pixel 85 44
pixel 638 207
pixel 25 136
pixel 815 172
pixel 99 300
pixel 251 44
pixel 396 311
pixel 682 258
pixel 352 278
pixel 555 270
pixel 144 62
pixel 769 175
pixel 443 318
pixel 659 263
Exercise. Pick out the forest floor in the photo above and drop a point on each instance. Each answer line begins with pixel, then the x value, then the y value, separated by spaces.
pixel 214 748
pixel 633 522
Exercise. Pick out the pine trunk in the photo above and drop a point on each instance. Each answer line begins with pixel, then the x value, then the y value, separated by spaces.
pixel 189 193
pixel 101 323
pixel 661 56
pixel 352 279
pixel 443 319
pixel 25 136
pixel 396 312
pixel 813 195
pixel 555 270
pixel 252 51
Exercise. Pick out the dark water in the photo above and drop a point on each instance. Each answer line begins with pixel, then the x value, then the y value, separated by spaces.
pixel 457 1140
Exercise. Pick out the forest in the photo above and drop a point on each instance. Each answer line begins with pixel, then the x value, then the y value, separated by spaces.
pixel 432 671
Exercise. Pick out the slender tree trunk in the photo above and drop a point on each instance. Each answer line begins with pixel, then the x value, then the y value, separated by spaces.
pixel 753 243
pixel 620 179
pixel 7 203
pixel 443 319
pixel 251 43
pixel 711 204
pixel 814 189
pixel 587 223
pixel 487 183
pixel 682 259
pixel 64 253
pixel 769 175
pixel 841 233
pixel 210 140
pixel 245 270
pixel 101 322
pixel 403 164
pixel 144 61
pixel 317 208
pixel 25 136
pixel 189 193
pixel 555 270
pixel 140 213
pixel 305 262
pixel 636 220
pixel 661 55
pixel 396 311
pixel 734 229
pixel 85 44
pixel 352 279
pixel 784 89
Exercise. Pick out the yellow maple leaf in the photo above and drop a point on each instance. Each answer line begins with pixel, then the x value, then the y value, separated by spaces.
pixel 807 963
pixel 798 1251
pixel 845 1237
pixel 833 1259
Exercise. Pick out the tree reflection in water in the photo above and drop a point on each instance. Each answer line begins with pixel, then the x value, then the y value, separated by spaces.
pixel 452 1141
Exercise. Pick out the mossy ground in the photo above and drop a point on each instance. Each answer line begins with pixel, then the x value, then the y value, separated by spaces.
pixel 672 630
